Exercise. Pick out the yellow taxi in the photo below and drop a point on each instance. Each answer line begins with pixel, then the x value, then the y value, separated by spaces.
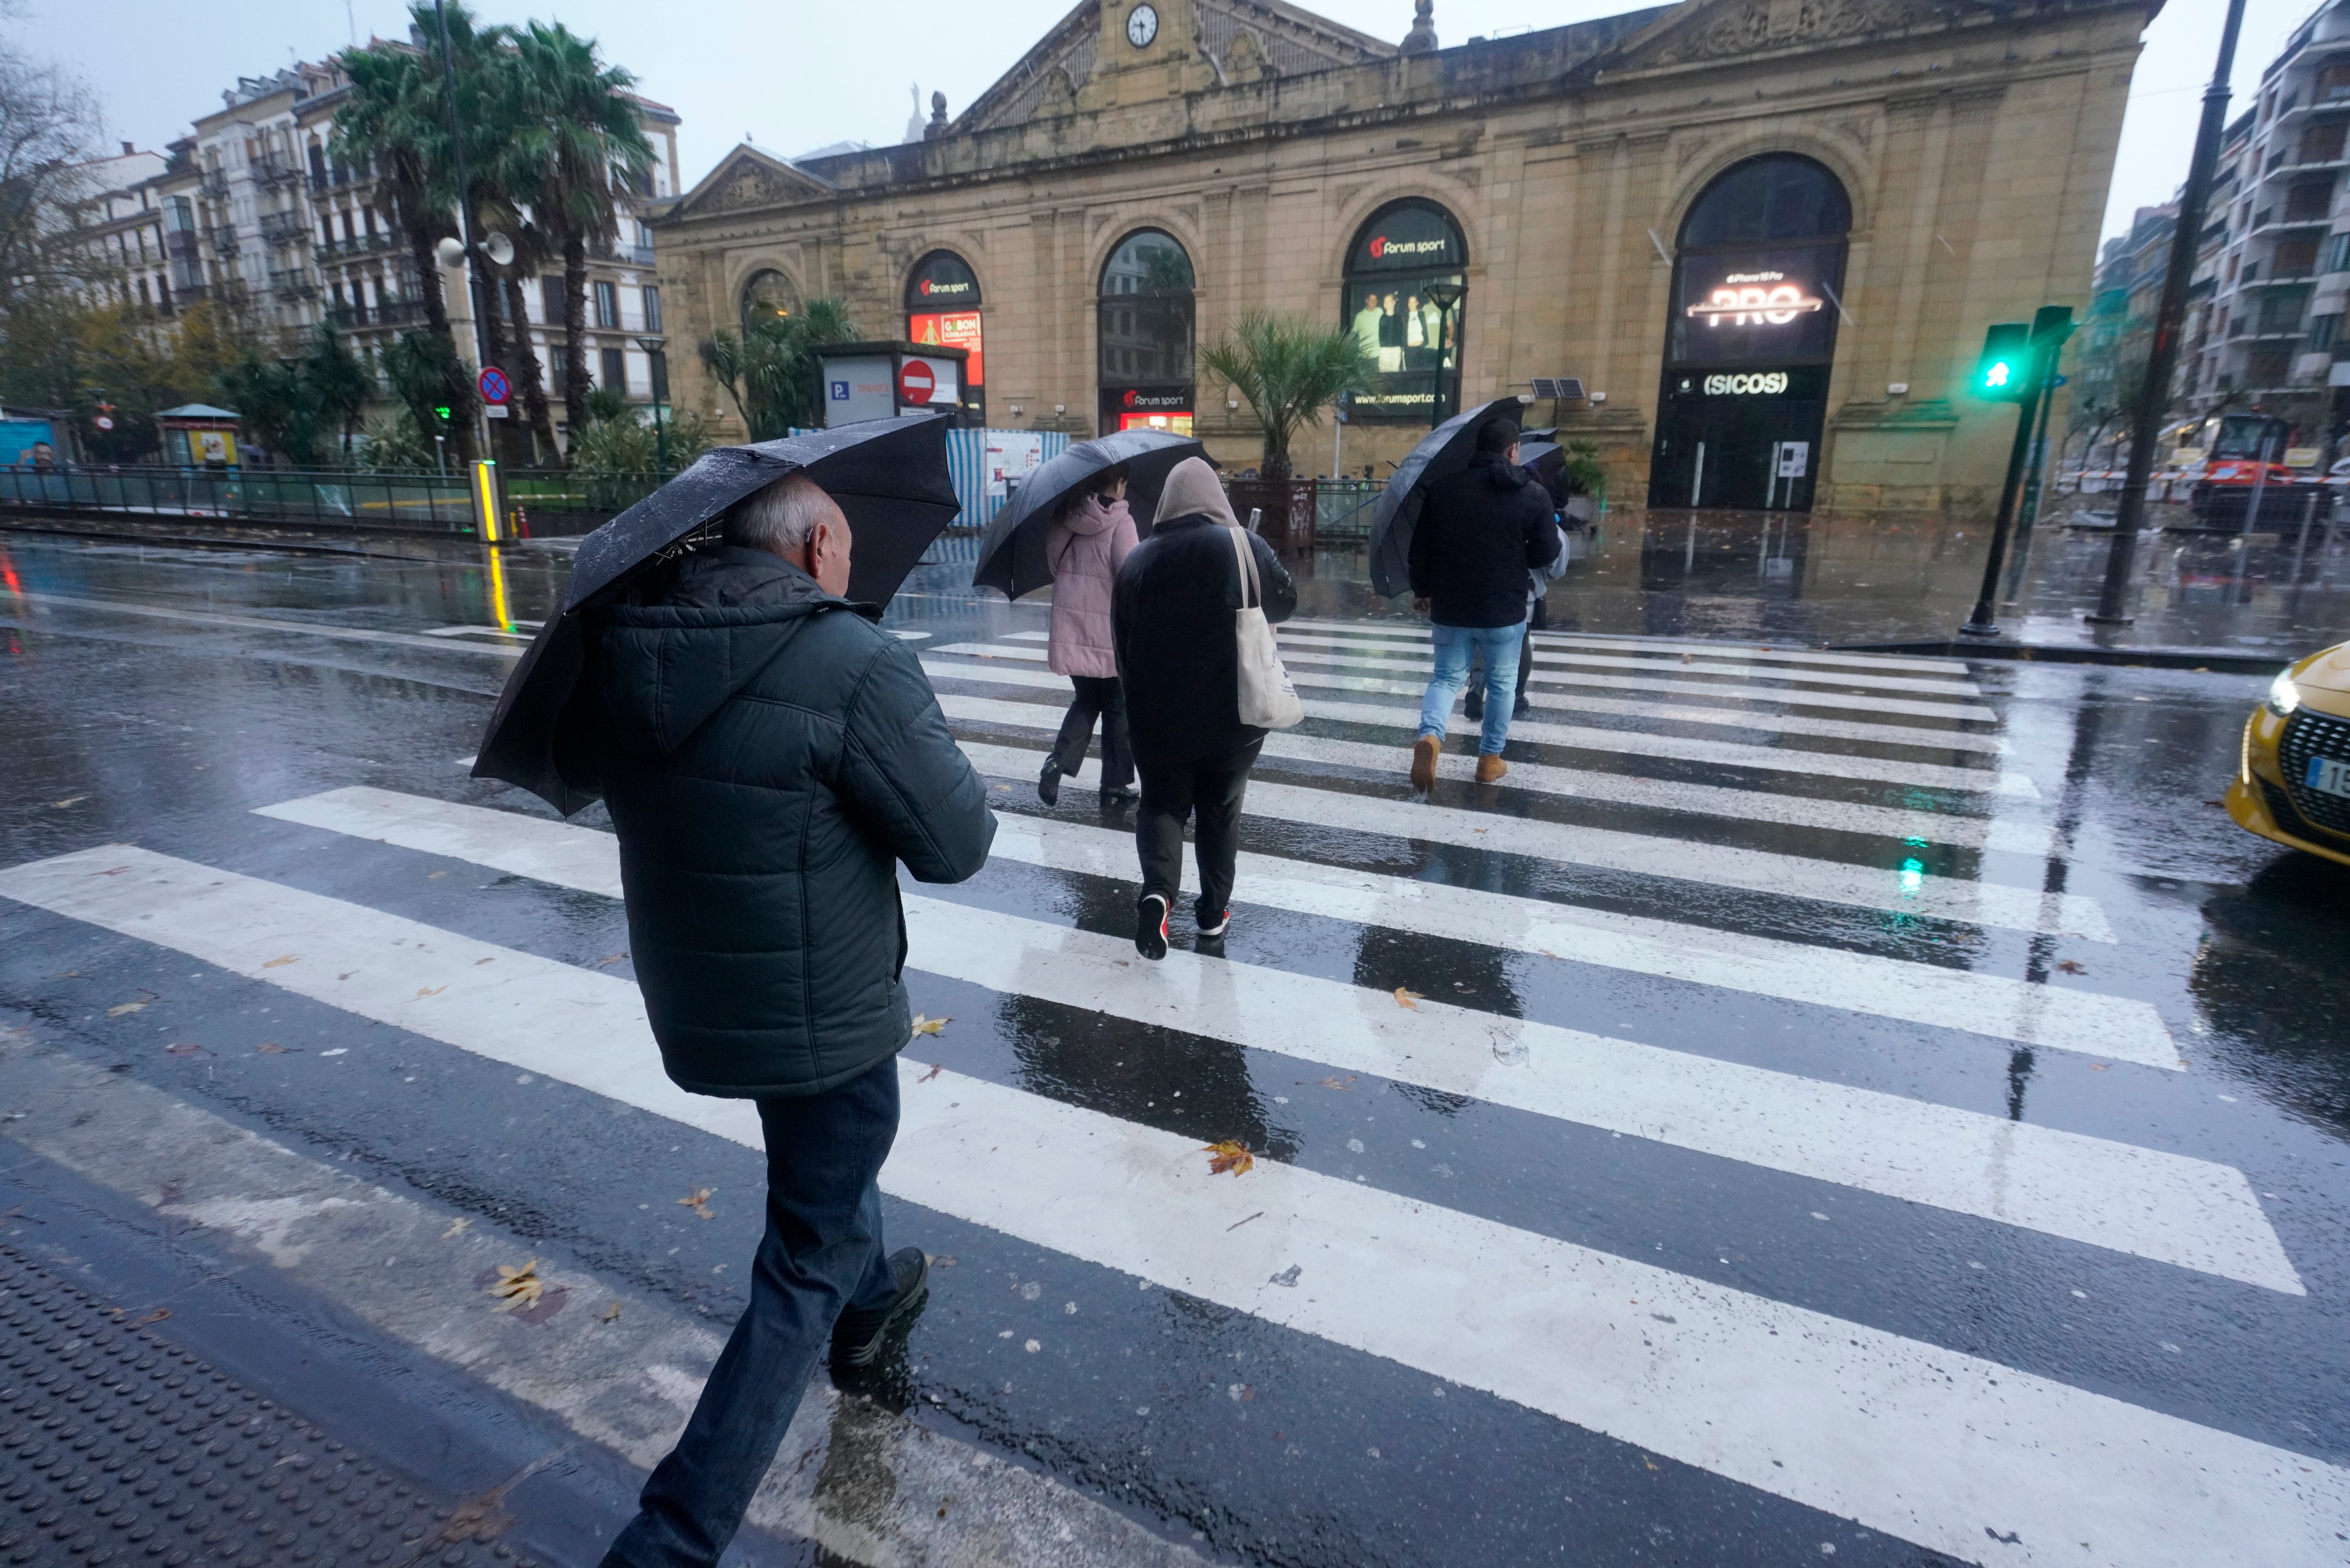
pixel 2293 783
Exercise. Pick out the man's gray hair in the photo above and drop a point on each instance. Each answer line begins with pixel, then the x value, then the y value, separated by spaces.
pixel 780 518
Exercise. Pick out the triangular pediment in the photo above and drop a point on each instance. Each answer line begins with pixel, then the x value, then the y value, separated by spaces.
pixel 748 178
pixel 1241 39
pixel 1702 31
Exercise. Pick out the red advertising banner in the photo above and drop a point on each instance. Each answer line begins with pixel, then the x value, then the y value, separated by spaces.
pixel 952 329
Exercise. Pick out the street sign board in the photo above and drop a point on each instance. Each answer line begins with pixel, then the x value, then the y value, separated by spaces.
pixel 495 389
pixel 1795 459
pixel 916 381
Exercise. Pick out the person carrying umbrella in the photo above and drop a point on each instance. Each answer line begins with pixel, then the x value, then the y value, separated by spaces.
pixel 1547 465
pixel 1172 617
pixel 769 757
pixel 1091 536
pixel 1481 530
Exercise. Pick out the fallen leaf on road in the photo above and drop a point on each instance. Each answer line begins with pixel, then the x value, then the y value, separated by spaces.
pixel 70 975
pixel 609 959
pixel 611 1314
pixel 2069 967
pixel 271 1047
pixel 183 1048
pixel 1412 998
pixel 69 800
pixel 2099 1068
pixel 434 876
pixel 279 963
pixel 1230 1155
pixel 119 1008
pixel 936 1068
pixel 432 990
pixel 478 962
pixel 457 1227
pixel 158 1315
pixel 698 1202
pixel 518 1287
pixel 1335 1084
pixel 932 1025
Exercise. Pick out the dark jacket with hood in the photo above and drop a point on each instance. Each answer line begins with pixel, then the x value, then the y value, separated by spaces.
pixel 769 755
pixel 1171 617
pixel 1480 531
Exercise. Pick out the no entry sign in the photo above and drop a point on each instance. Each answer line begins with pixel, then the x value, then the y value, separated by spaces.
pixel 495 390
pixel 916 382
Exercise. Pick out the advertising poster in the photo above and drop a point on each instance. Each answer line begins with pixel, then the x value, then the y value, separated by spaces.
pixel 952 329
pixel 1012 456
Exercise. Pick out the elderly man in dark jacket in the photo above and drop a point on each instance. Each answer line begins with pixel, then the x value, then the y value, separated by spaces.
pixel 1179 661
pixel 1480 532
pixel 769 757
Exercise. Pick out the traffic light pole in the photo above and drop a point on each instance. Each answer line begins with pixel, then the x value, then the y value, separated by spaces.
pixel 2162 355
pixel 1981 623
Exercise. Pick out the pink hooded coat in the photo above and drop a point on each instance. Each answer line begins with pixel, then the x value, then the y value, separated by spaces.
pixel 1085 548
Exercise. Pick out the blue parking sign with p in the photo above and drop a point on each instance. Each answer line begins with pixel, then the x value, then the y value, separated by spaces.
pixel 841 391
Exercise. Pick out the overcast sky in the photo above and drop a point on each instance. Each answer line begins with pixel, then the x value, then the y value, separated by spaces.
pixel 799 74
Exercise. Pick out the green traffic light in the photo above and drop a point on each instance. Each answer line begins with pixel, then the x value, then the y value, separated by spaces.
pixel 1997 376
pixel 2001 374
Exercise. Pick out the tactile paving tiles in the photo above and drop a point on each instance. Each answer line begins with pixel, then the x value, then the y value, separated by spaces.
pixel 118 1447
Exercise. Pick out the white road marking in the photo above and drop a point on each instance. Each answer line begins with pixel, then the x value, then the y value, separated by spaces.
pixel 1897 889
pixel 2176 1210
pixel 1704 646
pixel 1714 692
pixel 1919 1441
pixel 1405 722
pixel 1918 735
pixel 2004 833
pixel 258 623
pixel 1325 648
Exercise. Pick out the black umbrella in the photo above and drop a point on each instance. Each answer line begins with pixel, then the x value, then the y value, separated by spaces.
pixel 1012 556
pixel 890 478
pixel 1446 450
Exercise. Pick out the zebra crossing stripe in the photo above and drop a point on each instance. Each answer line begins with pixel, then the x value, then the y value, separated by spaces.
pixel 1405 722
pixel 1924 1443
pixel 1941 740
pixel 2176 1210
pixel 1909 891
pixel 1324 648
pixel 2006 833
pixel 1407 631
pixel 1714 692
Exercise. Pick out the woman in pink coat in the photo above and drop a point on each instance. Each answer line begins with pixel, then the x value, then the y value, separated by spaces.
pixel 1089 540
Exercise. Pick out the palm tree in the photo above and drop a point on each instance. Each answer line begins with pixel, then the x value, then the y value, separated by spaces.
pixel 770 369
pixel 581 139
pixel 398 113
pixel 1289 370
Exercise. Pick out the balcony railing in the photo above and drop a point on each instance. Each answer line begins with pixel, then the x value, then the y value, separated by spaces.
pixel 292 284
pixel 356 246
pixel 222 237
pixel 631 255
pixel 180 242
pixel 392 313
pixel 214 184
pixel 284 229
pixel 272 173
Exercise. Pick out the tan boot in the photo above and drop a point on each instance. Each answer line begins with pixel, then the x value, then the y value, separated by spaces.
pixel 1489 766
pixel 1424 753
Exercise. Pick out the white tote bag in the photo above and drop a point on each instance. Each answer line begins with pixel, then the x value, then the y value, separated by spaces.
pixel 1267 699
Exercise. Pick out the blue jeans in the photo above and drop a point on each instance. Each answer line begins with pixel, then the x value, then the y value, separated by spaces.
pixel 822 1254
pixel 1499 645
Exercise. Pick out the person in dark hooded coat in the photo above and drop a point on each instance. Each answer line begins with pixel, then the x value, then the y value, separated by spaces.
pixel 770 757
pixel 1171 617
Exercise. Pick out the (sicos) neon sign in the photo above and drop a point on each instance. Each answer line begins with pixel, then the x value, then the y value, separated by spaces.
pixel 1768 382
pixel 1755 299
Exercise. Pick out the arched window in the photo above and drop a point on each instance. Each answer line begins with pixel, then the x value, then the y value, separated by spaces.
pixel 768 294
pixel 1758 272
pixel 1145 318
pixel 1405 293
pixel 943 306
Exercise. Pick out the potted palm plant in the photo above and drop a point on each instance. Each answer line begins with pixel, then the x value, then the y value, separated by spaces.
pixel 1288 370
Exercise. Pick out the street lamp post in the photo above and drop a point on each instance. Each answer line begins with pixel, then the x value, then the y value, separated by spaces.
pixel 657 376
pixel 464 203
pixel 1446 297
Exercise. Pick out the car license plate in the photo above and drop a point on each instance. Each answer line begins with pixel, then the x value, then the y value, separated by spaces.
pixel 2329 775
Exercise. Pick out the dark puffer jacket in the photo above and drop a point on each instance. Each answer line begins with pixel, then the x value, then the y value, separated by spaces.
pixel 1480 531
pixel 1178 651
pixel 768 755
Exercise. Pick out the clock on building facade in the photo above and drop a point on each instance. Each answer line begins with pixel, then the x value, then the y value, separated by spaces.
pixel 1141 25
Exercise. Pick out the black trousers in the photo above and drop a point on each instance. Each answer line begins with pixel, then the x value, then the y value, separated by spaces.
pixel 1098 696
pixel 1208 792
pixel 1535 621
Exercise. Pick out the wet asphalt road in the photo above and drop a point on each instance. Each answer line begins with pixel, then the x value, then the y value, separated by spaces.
pixel 1250 1432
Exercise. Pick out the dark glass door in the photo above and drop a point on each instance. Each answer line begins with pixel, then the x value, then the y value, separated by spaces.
pixel 1746 438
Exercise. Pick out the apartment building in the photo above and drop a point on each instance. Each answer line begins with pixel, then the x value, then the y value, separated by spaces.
pixel 2265 322
pixel 118 230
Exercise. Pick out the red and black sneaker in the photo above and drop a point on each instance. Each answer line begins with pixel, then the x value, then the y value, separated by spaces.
pixel 1151 927
pixel 1212 925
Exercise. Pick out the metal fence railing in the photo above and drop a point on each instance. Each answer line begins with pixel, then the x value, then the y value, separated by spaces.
pixel 1343 508
pixel 537 501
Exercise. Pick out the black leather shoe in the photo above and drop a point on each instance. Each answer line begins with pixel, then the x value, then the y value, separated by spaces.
pixel 1472 706
pixel 1048 783
pixel 1521 709
pixel 856 1337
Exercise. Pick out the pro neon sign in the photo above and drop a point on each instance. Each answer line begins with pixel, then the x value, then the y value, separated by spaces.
pixel 1755 299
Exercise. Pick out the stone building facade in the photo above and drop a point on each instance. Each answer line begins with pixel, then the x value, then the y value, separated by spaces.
pixel 1746 227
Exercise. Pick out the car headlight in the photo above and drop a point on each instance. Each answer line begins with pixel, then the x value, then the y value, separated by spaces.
pixel 2283 696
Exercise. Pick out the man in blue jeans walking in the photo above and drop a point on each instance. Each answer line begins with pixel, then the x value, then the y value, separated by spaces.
pixel 1480 531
